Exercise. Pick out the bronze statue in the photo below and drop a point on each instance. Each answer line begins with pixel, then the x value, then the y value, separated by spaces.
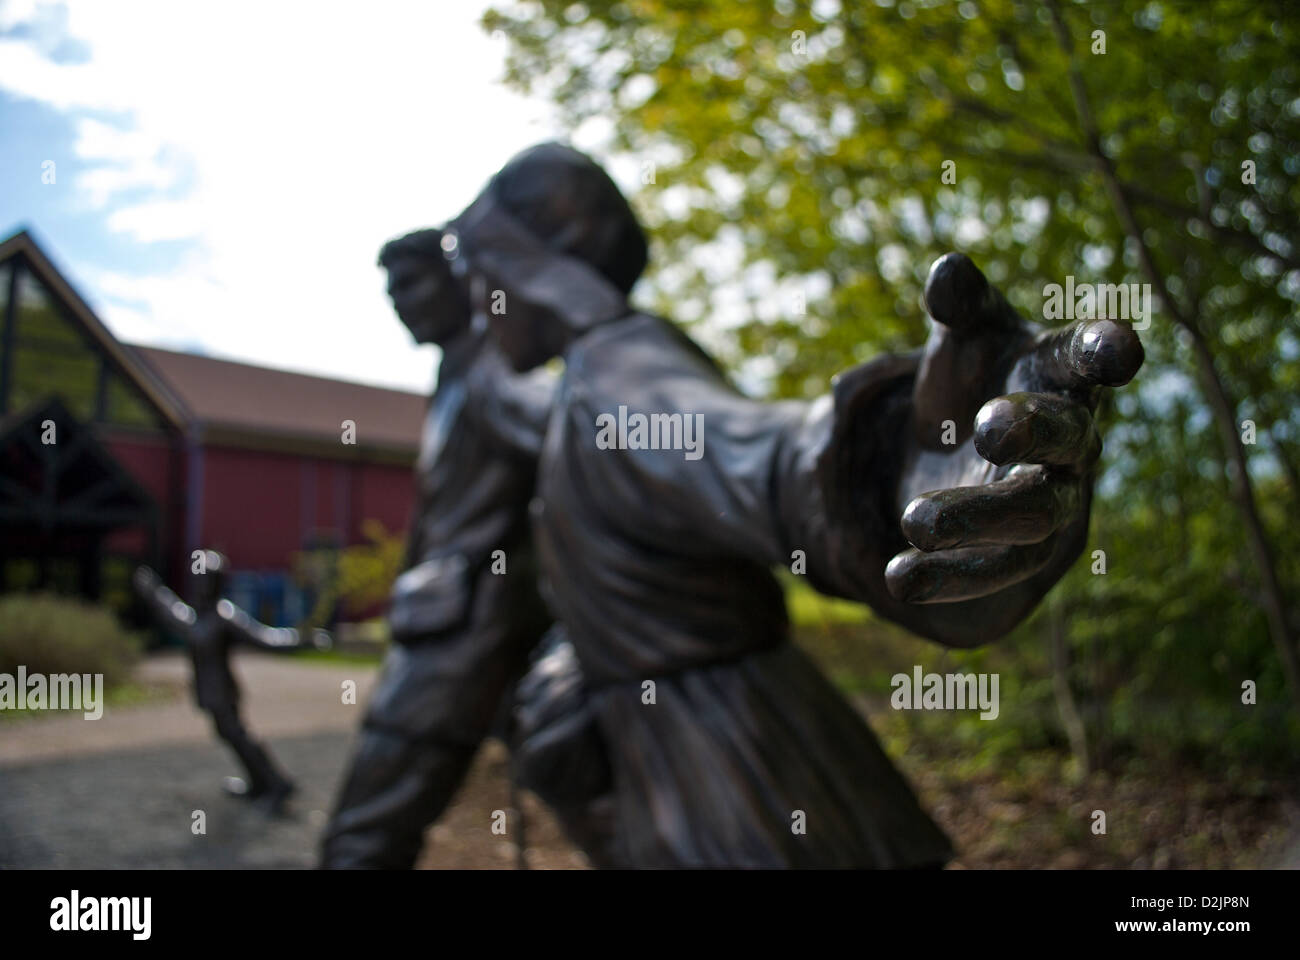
pixel 465 614
pixel 210 628
pixel 667 497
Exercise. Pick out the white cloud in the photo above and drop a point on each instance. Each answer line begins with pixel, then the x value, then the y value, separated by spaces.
pixel 160 220
pixel 119 160
pixel 308 134
pixel 98 140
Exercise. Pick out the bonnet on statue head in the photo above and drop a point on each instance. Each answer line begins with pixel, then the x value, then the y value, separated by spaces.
pixel 553 225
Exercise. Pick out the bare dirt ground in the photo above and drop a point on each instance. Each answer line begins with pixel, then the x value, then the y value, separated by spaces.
pixel 123 791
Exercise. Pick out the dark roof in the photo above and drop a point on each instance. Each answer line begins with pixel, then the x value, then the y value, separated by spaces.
pixel 242 398
pixel 233 401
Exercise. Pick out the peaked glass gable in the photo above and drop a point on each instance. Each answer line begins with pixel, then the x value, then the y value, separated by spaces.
pixel 51 354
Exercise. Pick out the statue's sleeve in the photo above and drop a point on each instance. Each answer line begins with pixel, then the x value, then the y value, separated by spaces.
pixel 837 479
pixel 813 485
pixel 512 408
pixel 805 486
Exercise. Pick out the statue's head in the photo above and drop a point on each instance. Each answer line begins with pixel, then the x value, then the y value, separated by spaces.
pixel 210 585
pixel 552 248
pixel 426 297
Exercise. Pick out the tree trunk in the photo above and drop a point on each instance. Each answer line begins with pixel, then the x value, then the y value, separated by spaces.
pixel 1221 405
pixel 1243 493
pixel 1075 730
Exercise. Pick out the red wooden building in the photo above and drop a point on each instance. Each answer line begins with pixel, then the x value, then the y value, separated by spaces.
pixel 154 453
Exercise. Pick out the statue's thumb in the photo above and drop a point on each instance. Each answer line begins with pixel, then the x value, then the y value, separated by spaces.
pixel 959 297
pixel 971 323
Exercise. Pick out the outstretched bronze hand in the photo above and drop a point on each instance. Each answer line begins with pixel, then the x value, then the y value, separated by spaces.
pixel 998 477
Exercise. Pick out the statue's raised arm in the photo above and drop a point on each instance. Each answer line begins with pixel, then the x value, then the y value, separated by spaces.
pixel 169 610
pixel 247 629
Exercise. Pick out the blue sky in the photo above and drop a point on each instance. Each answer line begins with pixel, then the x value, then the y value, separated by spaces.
pixel 224 173
pixel 30 134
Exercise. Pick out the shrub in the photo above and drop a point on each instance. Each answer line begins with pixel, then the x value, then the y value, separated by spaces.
pixel 352 581
pixel 56 634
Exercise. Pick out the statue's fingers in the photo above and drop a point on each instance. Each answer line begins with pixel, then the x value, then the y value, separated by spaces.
pixel 963 574
pixel 959 297
pixel 1090 352
pixel 1026 507
pixel 1036 428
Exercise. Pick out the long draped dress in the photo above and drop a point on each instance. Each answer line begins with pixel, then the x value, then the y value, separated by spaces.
pixel 660 568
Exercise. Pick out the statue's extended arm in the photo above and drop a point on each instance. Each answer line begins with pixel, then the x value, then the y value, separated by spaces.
pixel 169 610
pixel 949 489
pixel 275 639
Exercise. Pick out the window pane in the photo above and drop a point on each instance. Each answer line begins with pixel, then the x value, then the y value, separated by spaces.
pixel 127 407
pixel 39 318
pixel 50 354
pixel 5 269
pixel 41 371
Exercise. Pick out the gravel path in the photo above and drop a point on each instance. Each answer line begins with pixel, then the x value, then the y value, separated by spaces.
pixel 281 697
pixel 122 791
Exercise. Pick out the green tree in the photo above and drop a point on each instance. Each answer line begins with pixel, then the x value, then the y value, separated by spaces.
pixel 803 163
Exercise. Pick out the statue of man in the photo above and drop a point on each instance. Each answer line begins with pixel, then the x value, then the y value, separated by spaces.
pixel 465 614
pixel 210 628
pixel 970 465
